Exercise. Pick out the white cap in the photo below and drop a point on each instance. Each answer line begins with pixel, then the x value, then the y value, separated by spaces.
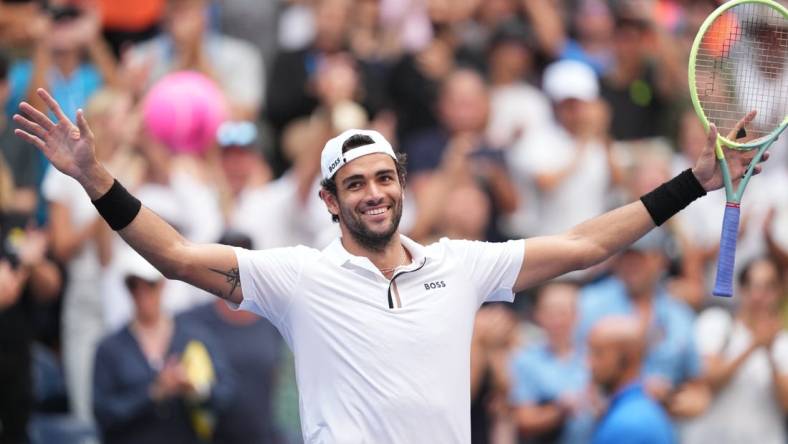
pixel 132 264
pixel 570 79
pixel 332 158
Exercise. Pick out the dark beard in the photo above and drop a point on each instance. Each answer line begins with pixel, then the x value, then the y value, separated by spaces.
pixel 367 238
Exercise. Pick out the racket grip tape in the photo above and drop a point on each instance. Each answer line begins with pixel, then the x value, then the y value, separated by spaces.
pixel 723 286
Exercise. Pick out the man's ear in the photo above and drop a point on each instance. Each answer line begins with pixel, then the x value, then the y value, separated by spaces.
pixel 332 205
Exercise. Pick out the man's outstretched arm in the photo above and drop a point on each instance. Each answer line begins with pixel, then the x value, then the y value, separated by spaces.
pixel 597 239
pixel 70 149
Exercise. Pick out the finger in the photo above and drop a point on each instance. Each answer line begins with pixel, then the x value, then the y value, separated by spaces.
pixel 711 137
pixel 53 105
pixel 31 127
pixel 733 134
pixel 37 116
pixel 765 156
pixel 31 139
pixel 82 124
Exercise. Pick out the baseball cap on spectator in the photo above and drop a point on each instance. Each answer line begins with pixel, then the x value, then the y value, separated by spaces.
pixel 238 134
pixel 570 79
pixel 332 158
pixel 132 265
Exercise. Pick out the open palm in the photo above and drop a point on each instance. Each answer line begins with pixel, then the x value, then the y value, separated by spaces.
pixel 68 147
pixel 707 169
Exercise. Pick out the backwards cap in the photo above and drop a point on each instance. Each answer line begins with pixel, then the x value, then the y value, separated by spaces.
pixel 332 158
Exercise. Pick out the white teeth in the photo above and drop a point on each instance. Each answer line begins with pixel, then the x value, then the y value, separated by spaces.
pixel 375 211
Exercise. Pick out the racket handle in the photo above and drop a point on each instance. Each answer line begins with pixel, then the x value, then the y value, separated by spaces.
pixel 723 286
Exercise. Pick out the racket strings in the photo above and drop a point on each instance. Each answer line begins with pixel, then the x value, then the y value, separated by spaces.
pixel 741 66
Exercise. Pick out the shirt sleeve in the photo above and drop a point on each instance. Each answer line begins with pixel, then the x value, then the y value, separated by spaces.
pixel 491 266
pixel 712 330
pixel 268 278
pixel 54 188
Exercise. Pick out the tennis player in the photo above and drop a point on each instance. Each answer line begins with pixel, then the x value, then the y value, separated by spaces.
pixel 380 326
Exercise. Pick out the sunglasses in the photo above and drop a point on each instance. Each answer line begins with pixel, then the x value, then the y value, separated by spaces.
pixel 236 134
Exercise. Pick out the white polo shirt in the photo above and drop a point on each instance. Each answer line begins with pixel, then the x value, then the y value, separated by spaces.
pixel 380 361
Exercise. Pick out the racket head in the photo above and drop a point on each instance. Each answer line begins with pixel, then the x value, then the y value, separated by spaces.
pixel 739 62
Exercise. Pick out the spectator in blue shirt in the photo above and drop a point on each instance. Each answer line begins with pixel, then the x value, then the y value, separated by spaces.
pixel 672 366
pixel 69 57
pixel 615 349
pixel 550 381
pixel 157 380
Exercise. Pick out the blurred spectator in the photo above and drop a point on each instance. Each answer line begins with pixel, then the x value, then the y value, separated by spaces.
pixel 27 278
pixel 569 164
pixel 616 347
pixel 645 77
pixel 254 21
pixel 155 378
pixel 594 28
pixel 189 44
pixel 671 367
pixel 649 164
pixel 460 139
pixel 550 382
pixel 417 77
pixel 62 35
pixel 126 23
pixel 746 358
pixel 15 29
pixel 253 348
pixel 300 76
pixel 517 109
pixel 494 335
pixel 293 196
pixel 242 162
pixel 516 106
pixel 19 157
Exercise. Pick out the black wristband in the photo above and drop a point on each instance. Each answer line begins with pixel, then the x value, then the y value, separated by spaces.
pixel 117 206
pixel 672 196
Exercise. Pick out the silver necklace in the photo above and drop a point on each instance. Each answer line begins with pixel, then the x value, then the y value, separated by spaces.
pixel 403 259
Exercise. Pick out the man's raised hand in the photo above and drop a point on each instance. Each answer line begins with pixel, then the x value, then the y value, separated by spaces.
pixel 70 148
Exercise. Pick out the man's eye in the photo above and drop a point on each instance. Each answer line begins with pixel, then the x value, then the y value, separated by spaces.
pixel 386 178
pixel 354 185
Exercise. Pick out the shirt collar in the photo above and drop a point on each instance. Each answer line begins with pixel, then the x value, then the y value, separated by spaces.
pixel 338 255
pixel 633 388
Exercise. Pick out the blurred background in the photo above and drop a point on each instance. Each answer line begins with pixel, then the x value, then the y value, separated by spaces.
pixel 519 118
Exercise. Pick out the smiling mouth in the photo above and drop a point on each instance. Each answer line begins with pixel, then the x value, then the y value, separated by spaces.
pixel 376 211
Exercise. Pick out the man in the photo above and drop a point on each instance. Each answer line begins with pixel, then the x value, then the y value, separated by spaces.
pixel 672 366
pixel 550 383
pixel 22 162
pixel 158 379
pixel 565 170
pixel 615 350
pixel 380 326
pixel 188 43
pixel 746 360
pixel 253 349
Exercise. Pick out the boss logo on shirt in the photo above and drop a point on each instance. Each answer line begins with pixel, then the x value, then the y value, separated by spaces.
pixel 434 285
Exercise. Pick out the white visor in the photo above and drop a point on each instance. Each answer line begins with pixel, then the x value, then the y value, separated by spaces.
pixel 332 158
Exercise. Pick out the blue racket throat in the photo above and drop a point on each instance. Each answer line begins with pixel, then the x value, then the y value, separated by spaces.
pixel 723 285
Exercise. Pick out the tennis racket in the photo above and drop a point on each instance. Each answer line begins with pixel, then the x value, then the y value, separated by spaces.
pixel 739 63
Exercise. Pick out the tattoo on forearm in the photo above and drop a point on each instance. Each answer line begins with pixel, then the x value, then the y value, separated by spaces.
pixel 232 277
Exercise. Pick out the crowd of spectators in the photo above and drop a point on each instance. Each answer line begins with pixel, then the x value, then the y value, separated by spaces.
pixel 519 118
